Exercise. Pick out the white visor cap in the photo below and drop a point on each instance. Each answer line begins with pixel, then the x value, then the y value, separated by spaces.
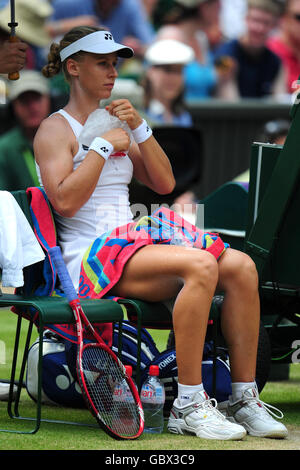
pixel 100 42
pixel 169 51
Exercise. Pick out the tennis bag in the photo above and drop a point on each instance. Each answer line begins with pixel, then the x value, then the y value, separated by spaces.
pixel 60 386
pixel 59 379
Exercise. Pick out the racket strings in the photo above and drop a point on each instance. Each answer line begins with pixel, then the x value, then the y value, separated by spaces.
pixel 112 400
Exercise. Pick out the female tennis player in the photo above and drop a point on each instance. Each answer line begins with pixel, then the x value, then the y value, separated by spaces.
pixel 87 186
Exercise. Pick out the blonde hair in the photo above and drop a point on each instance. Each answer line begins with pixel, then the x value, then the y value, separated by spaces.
pixel 55 65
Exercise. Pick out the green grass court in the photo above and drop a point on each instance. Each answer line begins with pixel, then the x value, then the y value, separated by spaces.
pixel 52 436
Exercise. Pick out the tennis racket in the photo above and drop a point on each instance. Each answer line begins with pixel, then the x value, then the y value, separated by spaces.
pixel 109 392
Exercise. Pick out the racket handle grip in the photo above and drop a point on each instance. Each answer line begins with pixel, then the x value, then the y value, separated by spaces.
pixel 63 274
pixel 13 75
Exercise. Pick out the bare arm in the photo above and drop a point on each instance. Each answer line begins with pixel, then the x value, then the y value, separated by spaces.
pixel 54 148
pixel 12 56
pixel 151 165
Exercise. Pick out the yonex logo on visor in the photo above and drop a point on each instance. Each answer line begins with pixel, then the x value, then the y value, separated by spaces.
pixel 100 42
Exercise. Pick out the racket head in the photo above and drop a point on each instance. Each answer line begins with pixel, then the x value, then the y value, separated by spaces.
pixel 103 382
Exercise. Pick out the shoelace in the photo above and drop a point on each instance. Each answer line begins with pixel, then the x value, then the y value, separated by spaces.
pixel 211 407
pixel 266 406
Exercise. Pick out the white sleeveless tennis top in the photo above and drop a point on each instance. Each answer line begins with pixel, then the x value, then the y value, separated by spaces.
pixel 107 208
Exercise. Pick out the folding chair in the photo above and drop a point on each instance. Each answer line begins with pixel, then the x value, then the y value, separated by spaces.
pixel 50 310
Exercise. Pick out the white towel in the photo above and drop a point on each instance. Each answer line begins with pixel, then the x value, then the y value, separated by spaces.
pixel 18 244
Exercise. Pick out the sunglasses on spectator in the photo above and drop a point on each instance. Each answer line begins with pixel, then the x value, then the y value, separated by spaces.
pixel 296 16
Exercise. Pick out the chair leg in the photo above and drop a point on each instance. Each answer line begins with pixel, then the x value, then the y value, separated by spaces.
pixel 120 333
pixel 215 316
pixel 13 368
pixel 15 414
pixel 23 367
pixel 139 350
pixel 138 313
pixel 214 375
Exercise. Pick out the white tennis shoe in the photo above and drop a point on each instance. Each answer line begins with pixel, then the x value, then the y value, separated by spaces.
pixel 202 418
pixel 255 415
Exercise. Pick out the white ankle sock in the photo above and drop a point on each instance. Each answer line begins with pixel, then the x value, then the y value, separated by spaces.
pixel 186 392
pixel 238 388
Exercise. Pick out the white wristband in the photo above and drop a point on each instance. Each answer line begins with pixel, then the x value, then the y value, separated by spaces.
pixel 142 133
pixel 102 147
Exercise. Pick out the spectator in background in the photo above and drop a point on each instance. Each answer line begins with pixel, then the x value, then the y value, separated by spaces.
pixel 126 19
pixel 164 93
pixel 31 16
pixel 259 72
pixel 30 102
pixel 164 82
pixel 182 23
pixel 286 43
pixel 209 20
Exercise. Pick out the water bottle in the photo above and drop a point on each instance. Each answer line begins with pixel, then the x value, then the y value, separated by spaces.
pixel 122 391
pixel 122 417
pixel 153 399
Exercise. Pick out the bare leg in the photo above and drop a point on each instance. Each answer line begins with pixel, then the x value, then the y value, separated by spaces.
pixel 240 313
pixel 160 272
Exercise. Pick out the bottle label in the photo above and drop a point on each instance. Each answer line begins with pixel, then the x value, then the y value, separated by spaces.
pixel 154 395
pixel 118 393
pixel 123 393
